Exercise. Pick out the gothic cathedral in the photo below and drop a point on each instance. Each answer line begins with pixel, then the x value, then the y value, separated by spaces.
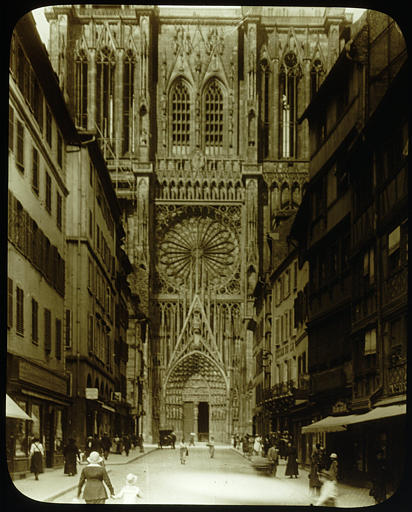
pixel 197 113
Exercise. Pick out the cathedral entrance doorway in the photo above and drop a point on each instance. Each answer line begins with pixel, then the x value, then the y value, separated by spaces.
pixel 203 421
pixel 188 419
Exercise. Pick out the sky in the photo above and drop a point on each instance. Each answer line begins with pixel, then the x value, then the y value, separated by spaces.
pixel 43 26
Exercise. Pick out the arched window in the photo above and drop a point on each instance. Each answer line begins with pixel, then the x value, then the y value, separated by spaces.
pixel 180 119
pixel 265 108
pixel 128 103
pixel 105 66
pixel 213 119
pixel 80 93
pixel 316 75
pixel 288 95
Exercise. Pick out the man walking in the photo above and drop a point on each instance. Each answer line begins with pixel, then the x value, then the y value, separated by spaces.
pixel 211 445
pixel 106 444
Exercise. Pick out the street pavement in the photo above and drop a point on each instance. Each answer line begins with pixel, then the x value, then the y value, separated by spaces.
pixel 229 478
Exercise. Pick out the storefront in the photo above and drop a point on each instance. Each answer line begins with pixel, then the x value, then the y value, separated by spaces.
pixel 41 394
pixel 357 437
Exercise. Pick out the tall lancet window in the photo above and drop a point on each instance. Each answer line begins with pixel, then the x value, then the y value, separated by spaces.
pixel 288 96
pixel 80 92
pixel 128 103
pixel 180 119
pixel 213 119
pixel 316 76
pixel 265 108
pixel 105 66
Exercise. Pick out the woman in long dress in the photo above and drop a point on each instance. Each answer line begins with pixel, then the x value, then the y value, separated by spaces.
pixel 71 455
pixel 292 470
pixel 93 475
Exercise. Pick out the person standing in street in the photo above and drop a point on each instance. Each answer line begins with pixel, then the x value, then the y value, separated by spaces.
pixel 314 482
pixel 257 446
pixel 140 441
pixel 96 444
pixel 333 468
pixel 211 445
pixel 292 470
pixel 173 437
pixel 93 475
pixel 36 457
pixel 130 493
pixel 380 476
pixel 183 451
pixel 88 448
pixel 71 454
pixel 126 444
pixel 106 445
pixel 273 458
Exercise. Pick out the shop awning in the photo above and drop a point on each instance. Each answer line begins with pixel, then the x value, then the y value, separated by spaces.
pixel 340 423
pixel 380 412
pixel 15 411
pixel 328 424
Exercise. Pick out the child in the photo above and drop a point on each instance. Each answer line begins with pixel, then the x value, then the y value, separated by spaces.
pixel 130 491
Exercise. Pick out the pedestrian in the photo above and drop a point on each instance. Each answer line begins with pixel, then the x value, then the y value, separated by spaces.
pixel 211 445
pixel 71 454
pixel 192 439
pixel 126 444
pixel 380 472
pixel 140 441
pixel 106 444
pixel 118 442
pixel 328 492
pixel 36 457
pixel 333 468
pixel 96 444
pixel 257 445
pixel 273 458
pixel 314 482
pixel 93 475
pixel 183 450
pixel 88 447
pixel 130 493
pixel 173 438
pixel 291 470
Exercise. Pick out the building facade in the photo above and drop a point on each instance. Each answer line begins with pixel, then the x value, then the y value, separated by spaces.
pixel 197 118
pixel 40 128
pixel 96 300
pixel 68 299
pixel 353 225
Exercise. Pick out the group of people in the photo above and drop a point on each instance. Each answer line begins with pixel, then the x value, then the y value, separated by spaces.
pixel 184 450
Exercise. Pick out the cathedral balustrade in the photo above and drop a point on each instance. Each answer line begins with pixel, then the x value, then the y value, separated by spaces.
pixel 195 187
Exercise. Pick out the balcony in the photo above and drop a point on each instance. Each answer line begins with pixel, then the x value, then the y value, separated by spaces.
pixel 395 286
pixel 396 378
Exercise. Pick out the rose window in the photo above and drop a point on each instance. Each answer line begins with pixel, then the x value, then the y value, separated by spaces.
pixel 198 253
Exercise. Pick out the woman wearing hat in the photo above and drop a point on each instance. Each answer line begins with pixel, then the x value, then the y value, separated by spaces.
pixel 94 474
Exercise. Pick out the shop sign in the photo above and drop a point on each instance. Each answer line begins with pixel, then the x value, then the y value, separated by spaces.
pixel 92 393
pixel 339 407
pixel 41 377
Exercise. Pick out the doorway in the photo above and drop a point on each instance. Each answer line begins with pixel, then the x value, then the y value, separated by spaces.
pixel 203 421
pixel 188 419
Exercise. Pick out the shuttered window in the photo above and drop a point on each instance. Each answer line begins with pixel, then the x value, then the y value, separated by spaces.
pixel 58 338
pixel 47 331
pixel 34 321
pixel 19 310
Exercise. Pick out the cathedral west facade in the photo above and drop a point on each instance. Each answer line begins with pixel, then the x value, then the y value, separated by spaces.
pixel 197 114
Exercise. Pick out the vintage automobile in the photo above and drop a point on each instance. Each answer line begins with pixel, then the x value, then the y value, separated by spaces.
pixel 167 438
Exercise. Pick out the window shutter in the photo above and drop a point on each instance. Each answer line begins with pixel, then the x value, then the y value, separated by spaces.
pixel 58 338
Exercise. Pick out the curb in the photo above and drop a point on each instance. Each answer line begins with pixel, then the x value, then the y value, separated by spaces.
pixel 72 487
